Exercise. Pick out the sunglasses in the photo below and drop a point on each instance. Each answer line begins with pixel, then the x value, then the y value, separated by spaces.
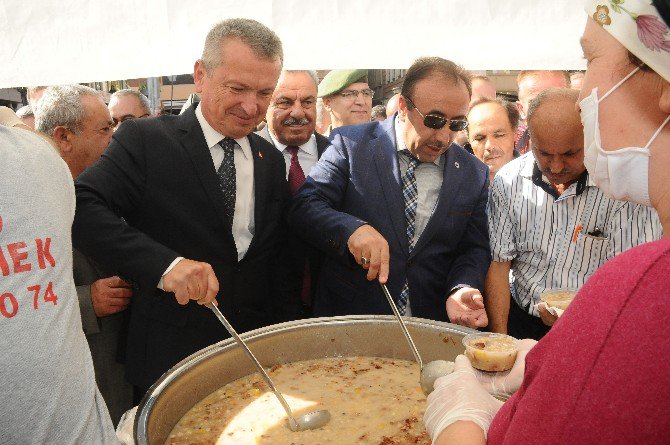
pixel 436 122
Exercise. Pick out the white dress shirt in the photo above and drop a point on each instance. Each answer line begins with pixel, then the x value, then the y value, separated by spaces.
pixel 307 154
pixel 243 220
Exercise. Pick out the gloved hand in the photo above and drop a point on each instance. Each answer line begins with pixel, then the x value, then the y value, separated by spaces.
pixel 503 384
pixel 124 430
pixel 459 396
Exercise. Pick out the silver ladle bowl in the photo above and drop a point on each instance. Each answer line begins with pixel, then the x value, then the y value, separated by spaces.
pixel 309 421
pixel 433 370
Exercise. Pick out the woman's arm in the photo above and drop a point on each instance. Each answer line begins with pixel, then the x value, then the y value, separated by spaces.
pixel 462 432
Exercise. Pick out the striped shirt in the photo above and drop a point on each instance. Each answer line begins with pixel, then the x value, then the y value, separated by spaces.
pixel 557 242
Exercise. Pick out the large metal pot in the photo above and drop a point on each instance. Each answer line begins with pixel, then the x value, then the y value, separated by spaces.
pixel 200 374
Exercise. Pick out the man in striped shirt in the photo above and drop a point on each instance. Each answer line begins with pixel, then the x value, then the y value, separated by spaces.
pixel 549 224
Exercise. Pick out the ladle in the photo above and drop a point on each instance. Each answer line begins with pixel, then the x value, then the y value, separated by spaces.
pixel 433 370
pixel 402 325
pixel 309 421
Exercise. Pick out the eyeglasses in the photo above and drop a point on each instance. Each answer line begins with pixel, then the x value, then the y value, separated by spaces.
pixel 436 122
pixel 353 94
pixel 127 117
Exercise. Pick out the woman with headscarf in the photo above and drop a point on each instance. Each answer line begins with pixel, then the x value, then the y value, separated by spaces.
pixel 602 374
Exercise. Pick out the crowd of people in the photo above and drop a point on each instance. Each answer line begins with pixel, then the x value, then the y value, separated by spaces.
pixel 277 197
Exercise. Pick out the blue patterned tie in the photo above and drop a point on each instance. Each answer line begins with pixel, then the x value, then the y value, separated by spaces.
pixel 411 197
pixel 226 175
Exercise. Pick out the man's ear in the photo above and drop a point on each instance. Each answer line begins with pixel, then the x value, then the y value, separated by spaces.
pixel 326 103
pixel 664 102
pixel 199 74
pixel 402 108
pixel 62 137
pixel 519 107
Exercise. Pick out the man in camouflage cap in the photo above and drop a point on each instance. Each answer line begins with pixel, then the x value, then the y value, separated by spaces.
pixel 347 97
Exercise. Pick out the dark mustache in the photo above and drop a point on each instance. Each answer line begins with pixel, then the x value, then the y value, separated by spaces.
pixel 562 172
pixel 439 145
pixel 493 152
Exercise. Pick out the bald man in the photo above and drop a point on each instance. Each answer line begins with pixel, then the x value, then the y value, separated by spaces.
pixel 530 84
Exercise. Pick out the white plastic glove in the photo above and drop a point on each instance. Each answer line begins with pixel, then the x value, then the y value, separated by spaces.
pixel 459 396
pixel 124 430
pixel 503 384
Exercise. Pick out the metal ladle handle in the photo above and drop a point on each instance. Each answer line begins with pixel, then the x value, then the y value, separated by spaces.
pixel 246 349
pixel 402 325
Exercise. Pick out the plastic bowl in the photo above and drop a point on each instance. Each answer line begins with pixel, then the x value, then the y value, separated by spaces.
pixel 490 352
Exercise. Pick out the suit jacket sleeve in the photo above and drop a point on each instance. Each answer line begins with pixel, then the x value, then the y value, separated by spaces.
pixel 89 321
pixel 474 258
pixel 314 212
pixel 110 189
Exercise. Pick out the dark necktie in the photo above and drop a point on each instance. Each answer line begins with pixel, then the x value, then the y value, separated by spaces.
pixel 411 198
pixel 296 176
pixel 226 175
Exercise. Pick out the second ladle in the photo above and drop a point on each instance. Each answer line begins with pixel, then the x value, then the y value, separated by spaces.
pixel 402 325
pixel 309 421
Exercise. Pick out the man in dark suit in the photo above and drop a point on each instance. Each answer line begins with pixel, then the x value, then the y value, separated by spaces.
pixel 202 198
pixel 291 124
pixel 397 202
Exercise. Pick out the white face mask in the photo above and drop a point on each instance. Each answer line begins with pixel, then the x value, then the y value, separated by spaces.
pixel 622 174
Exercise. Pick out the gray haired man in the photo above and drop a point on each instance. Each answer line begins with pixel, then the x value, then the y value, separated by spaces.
pixel 77 120
pixel 202 198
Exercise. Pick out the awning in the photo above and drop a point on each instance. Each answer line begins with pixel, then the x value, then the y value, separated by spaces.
pixel 47 42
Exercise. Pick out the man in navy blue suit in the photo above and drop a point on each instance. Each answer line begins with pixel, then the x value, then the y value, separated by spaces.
pixel 398 202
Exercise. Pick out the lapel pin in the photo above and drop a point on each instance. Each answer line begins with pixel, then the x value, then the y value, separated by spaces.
pixel 457 165
pixel 260 155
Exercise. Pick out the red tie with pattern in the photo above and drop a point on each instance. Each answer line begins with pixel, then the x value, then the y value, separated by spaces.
pixel 295 174
pixel 296 177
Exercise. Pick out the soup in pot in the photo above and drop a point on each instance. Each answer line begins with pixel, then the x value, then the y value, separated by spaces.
pixel 372 400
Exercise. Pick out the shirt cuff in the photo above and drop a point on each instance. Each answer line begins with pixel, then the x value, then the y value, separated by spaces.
pixel 167 271
pixel 457 287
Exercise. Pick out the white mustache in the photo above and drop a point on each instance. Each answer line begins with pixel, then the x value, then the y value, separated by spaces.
pixel 293 122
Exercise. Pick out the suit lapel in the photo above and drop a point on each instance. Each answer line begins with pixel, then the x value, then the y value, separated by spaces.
pixel 265 134
pixel 262 176
pixel 451 182
pixel 385 155
pixel 322 143
pixel 193 141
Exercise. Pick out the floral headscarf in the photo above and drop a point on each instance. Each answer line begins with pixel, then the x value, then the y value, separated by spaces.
pixel 637 25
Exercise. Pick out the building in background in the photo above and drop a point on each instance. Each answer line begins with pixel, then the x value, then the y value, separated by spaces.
pixel 176 89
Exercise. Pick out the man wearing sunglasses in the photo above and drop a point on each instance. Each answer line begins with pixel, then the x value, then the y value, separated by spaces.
pixel 396 202
pixel 347 97
pixel 128 104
